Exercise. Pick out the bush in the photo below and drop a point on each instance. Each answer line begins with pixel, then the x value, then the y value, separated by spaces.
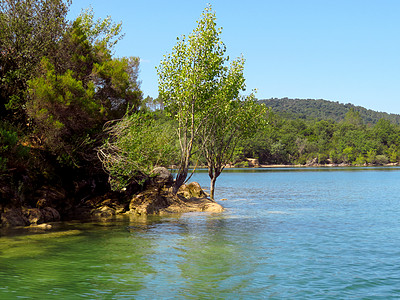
pixel 242 164
pixel 136 144
pixel 10 150
pixel 381 159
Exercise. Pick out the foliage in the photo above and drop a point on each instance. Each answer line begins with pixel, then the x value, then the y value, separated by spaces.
pixel 29 31
pixel 200 91
pixel 236 119
pixel 136 144
pixel 11 151
pixel 298 141
pixel 70 99
pixel 310 109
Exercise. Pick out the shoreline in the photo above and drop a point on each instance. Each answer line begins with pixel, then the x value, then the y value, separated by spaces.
pixel 262 166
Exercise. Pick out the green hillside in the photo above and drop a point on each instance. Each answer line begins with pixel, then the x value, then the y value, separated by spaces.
pixel 311 109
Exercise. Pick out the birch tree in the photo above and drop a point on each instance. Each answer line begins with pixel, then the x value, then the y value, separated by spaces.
pixel 189 79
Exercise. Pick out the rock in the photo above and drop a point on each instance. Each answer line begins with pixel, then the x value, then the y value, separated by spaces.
pixel 104 212
pixel 42 226
pixel 148 202
pixel 161 177
pixel 34 215
pixel 253 162
pixel 38 216
pixel 49 196
pixel 190 198
pixel 192 189
pixel 13 217
pixel 50 214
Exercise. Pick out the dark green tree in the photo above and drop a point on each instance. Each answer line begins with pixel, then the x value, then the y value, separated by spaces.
pixel 29 30
pixel 79 89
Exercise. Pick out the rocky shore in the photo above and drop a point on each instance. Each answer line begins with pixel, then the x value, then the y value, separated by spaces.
pixel 52 205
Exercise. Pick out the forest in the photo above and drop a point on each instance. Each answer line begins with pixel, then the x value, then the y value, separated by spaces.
pixel 311 109
pixel 73 117
pixel 309 142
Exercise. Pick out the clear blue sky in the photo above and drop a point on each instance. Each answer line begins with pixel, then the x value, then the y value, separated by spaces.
pixel 342 50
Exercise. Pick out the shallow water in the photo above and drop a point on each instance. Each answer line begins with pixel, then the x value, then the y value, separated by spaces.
pixel 286 233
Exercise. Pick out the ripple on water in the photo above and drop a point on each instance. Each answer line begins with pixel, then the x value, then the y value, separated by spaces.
pixel 284 235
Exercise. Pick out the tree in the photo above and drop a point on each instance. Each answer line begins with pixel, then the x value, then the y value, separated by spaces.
pixel 76 91
pixel 237 118
pixel 189 82
pixel 29 31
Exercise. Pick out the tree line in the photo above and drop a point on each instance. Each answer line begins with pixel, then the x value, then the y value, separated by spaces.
pixel 311 109
pixel 350 141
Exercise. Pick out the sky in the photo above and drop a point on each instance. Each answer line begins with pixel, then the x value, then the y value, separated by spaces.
pixel 338 50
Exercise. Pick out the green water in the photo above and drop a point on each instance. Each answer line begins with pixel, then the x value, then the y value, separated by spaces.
pixel 285 234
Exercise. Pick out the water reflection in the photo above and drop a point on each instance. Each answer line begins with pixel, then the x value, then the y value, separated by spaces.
pixel 284 235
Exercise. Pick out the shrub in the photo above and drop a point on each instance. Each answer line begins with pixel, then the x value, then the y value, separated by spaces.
pixel 136 144
pixel 381 159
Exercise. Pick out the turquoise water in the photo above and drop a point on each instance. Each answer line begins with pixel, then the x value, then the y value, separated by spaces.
pixel 285 234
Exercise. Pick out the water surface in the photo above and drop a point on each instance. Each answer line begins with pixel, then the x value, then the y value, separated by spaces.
pixel 286 233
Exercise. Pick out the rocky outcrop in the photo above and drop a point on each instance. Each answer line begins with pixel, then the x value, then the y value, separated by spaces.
pixel 191 190
pixel 160 177
pixel 12 217
pixel 164 202
pixel 159 199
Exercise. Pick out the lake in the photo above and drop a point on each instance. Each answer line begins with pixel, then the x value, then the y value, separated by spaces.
pixel 315 233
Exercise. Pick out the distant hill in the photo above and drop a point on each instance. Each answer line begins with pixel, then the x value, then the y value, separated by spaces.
pixel 311 109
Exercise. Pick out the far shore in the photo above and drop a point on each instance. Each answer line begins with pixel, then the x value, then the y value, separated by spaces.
pixel 317 165
pixel 262 166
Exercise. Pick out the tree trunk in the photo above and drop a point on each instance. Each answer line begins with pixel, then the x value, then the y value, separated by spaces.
pixel 180 179
pixel 212 186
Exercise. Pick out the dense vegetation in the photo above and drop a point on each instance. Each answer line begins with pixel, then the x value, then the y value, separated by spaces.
pixel 59 84
pixel 309 109
pixel 351 141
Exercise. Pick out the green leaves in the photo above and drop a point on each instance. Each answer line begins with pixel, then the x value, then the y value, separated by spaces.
pixel 82 87
pixel 202 92
pixel 102 32
pixel 137 143
pixel 29 31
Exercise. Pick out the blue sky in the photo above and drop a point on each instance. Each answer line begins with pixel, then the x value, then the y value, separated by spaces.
pixel 342 50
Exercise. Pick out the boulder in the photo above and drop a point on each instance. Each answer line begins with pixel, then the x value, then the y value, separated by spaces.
pixel 161 177
pixel 34 215
pixel 13 217
pixel 50 214
pixel 190 198
pixel 192 189
pixel 104 212
pixel 38 216
pixel 49 196
pixel 148 202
